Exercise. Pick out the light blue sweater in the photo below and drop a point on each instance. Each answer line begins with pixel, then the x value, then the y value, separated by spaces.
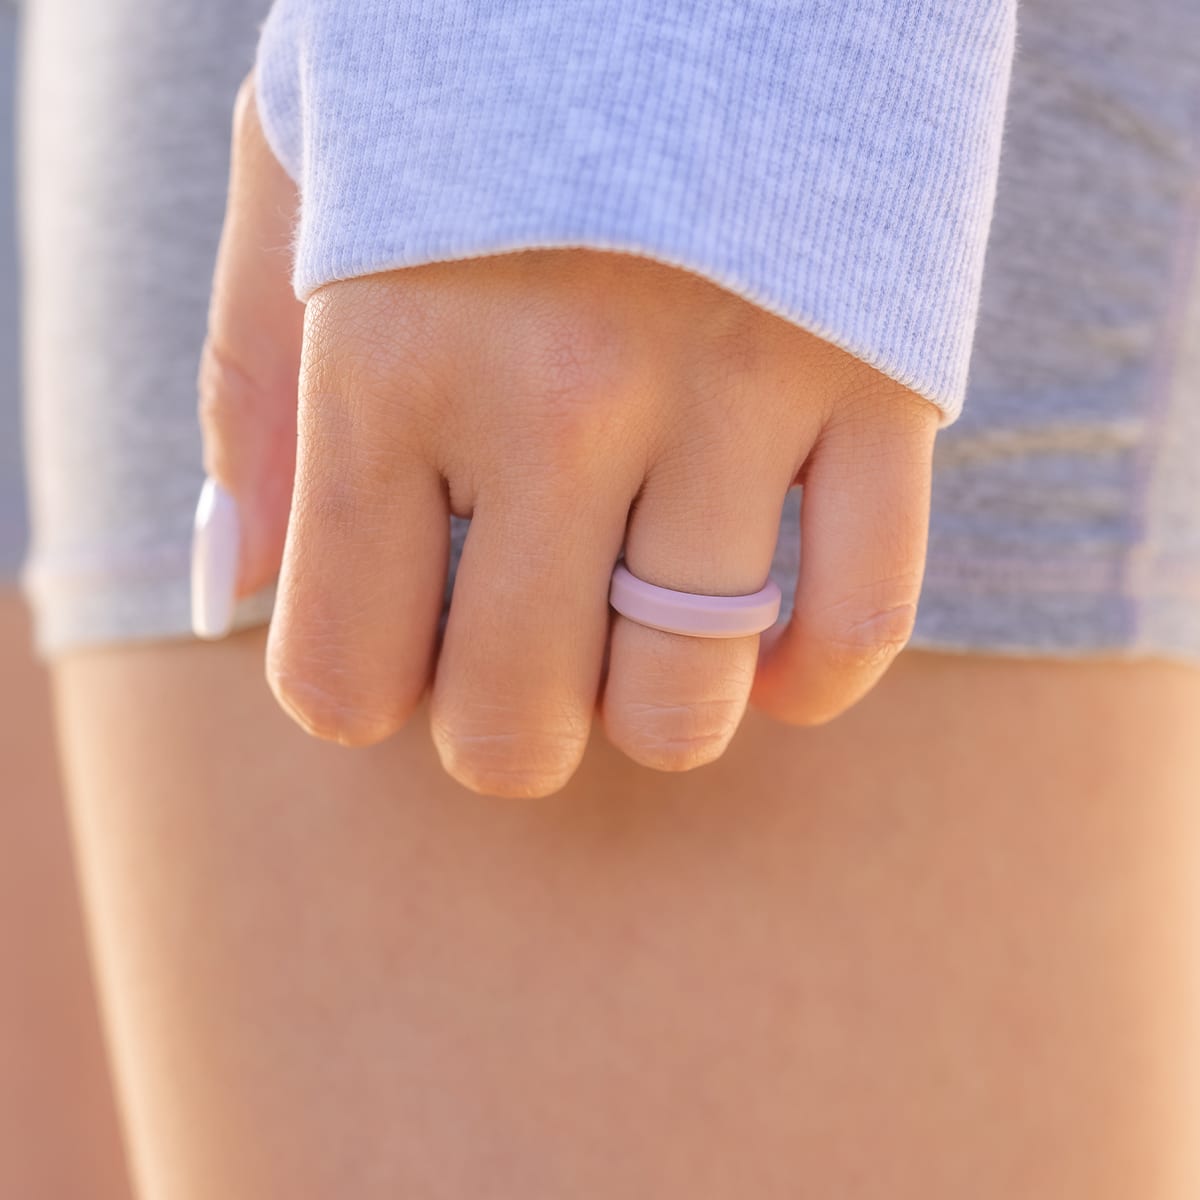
pixel 833 161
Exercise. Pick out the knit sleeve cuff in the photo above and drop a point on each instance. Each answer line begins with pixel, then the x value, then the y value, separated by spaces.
pixel 833 161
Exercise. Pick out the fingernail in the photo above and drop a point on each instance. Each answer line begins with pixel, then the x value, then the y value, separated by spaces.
pixel 215 538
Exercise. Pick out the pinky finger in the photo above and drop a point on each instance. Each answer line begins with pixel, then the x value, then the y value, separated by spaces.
pixel 864 528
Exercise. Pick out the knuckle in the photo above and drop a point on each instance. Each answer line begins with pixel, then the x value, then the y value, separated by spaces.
pixel 672 736
pixel 509 763
pixel 877 416
pixel 573 365
pixel 735 344
pixel 372 341
pixel 572 351
pixel 370 365
pixel 330 710
pixel 225 388
pixel 854 638
pixel 229 393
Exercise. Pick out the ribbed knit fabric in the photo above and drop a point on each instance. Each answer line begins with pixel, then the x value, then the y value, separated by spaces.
pixel 833 161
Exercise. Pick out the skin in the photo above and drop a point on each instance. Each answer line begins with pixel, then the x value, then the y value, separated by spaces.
pixel 574 403
pixel 58 1124
pixel 944 946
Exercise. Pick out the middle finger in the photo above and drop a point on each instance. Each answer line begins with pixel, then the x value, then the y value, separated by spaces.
pixel 520 664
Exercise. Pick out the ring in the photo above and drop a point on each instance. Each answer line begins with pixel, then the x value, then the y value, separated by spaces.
pixel 691 614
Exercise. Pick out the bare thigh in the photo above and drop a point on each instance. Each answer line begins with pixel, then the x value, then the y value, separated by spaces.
pixel 58 1129
pixel 946 946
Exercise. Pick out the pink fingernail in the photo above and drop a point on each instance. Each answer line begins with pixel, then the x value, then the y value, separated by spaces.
pixel 216 536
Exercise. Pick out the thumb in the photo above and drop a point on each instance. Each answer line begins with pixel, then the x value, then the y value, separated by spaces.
pixel 248 384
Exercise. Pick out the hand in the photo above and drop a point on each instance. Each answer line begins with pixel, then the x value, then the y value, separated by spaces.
pixel 572 403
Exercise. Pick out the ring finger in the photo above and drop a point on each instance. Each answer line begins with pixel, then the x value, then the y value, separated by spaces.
pixel 704 523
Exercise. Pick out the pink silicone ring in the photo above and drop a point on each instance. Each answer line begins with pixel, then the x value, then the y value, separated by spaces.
pixel 692 614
